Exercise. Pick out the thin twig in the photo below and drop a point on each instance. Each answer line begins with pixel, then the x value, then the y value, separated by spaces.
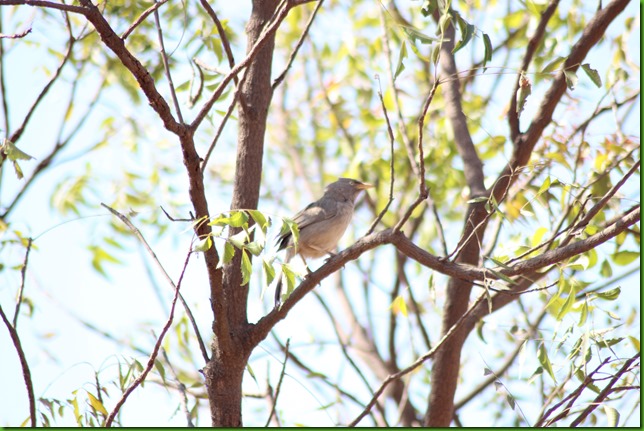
pixel 26 374
pixel 23 273
pixel 15 136
pixel 166 66
pixel 298 45
pixel 279 382
pixel 268 32
pixel 417 363
pixel 222 34
pixel 392 140
pixel 533 44
pixel 342 340
pixel 157 4
pixel 182 389
pixel 220 129
pixel 422 192
pixel 605 392
pixel 156 260
pixel 155 351
pixel 16 35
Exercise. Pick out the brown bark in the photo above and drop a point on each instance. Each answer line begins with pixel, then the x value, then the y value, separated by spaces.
pixel 230 351
pixel 446 366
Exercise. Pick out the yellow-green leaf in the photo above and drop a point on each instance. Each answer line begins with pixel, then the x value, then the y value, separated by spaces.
pixel 246 268
pixel 96 403
pixel 542 355
pixel 203 244
pixel 399 306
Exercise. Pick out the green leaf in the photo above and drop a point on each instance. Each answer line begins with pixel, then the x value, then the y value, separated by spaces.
pixel 416 35
pixel 479 330
pixel 503 277
pixel 96 404
pixel 610 295
pixel 251 372
pixel 290 278
pixel 571 79
pixel 542 355
pixel 553 65
pixel 567 306
pixel 428 7
pixel 606 271
pixel 635 342
pixel 401 56
pixel 254 248
pixel 477 200
pixel 584 314
pixel 488 50
pixel 246 268
pixel 581 262
pixel 239 239
pixel 229 253
pixel 236 219
pixel 12 152
pixel 260 219
pixel 269 271
pixel 612 416
pixel 625 257
pixel 592 74
pixel 100 257
pixel 399 306
pixel 467 30
pixel 203 244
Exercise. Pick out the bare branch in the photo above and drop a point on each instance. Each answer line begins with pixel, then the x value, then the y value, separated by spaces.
pixel 392 140
pixel 417 363
pixel 298 45
pixel 138 71
pixel 156 260
pixel 606 391
pixel 141 378
pixel 268 33
pixel 222 35
pixel 157 4
pixel 524 144
pixel 26 374
pixel 279 383
pixel 422 187
pixel 220 129
pixel 16 35
pixel 15 136
pixel 47 4
pixel 166 66
pixel 533 44
pixel 23 273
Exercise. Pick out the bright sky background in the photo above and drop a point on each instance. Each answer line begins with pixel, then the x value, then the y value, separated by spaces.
pixel 62 354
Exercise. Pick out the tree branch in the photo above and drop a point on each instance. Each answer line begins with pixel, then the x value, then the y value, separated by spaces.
pixel 524 144
pixel 26 374
pixel 139 236
pixel 533 44
pixel 139 380
pixel 417 363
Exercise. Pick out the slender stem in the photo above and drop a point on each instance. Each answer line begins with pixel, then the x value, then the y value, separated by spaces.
pixel 166 66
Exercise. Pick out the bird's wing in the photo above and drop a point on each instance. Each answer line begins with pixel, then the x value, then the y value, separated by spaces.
pixel 313 213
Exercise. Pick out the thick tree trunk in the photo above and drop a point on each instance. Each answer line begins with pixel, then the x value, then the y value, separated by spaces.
pixel 231 347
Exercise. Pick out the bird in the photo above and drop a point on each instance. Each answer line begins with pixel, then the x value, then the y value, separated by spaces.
pixel 321 224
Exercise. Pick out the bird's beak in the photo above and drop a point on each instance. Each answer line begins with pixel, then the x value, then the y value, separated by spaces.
pixel 364 186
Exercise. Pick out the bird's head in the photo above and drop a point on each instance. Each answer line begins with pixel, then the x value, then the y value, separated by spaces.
pixel 347 188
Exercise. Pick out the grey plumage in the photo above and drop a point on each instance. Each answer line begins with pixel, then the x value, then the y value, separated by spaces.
pixel 322 223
